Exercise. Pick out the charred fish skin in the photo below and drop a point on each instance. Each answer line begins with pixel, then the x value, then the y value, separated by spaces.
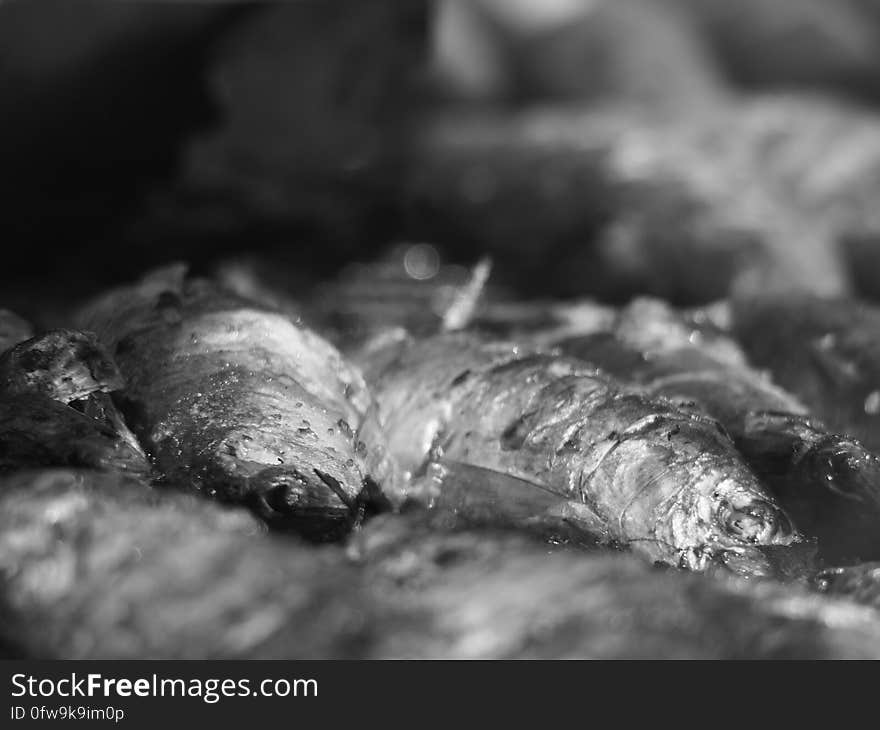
pixel 829 482
pixel 57 411
pixel 244 404
pixel 826 351
pixel 668 483
pixel 36 431
pixel 103 567
pixel 65 365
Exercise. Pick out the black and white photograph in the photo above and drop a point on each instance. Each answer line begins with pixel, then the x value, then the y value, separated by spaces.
pixel 435 330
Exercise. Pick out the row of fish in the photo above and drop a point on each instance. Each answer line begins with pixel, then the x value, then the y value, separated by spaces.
pixel 642 428
pixel 101 566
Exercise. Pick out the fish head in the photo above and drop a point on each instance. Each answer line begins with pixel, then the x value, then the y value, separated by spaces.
pixel 690 499
pixel 701 504
pixel 309 502
pixel 734 524
pixel 847 468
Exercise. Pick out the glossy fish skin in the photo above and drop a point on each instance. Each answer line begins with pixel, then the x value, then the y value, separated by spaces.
pixel 666 482
pixel 13 329
pixel 830 483
pixel 102 567
pixel 825 351
pixel 242 403
pixel 495 594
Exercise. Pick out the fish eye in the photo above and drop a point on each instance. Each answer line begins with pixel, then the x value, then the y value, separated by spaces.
pixel 754 522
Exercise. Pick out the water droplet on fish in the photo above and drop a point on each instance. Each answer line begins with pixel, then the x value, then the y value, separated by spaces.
pixel 872 403
pixel 297 405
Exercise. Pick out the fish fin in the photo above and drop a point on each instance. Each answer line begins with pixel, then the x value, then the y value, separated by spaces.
pixel 579 518
pixel 459 486
pixel 461 310
pixel 476 494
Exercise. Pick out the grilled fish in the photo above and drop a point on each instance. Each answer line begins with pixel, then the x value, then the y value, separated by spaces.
pixel 826 352
pixel 666 482
pixel 91 567
pixel 56 406
pixel 242 403
pixel 37 431
pixel 613 202
pixel 828 482
pixel 100 566
pixel 479 594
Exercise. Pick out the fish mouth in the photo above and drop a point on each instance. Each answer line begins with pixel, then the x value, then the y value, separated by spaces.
pixel 744 561
pixel 749 562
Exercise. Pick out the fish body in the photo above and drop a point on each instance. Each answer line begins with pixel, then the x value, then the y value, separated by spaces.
pixel 492 593
pixel 825 351
pixel 615 201
pixel 666 482
pixel 36 431
pixel 243 403
pixel 105 567
pixel 98 566
pixel 56 406
pixel 66 365
pixel 828 481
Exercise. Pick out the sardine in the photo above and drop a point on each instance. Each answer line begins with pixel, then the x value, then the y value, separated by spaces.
pixel 242 403
pixel 97 566
pixel 825 351
pixel 65 365
pixel 56 405
pixel 36 431
pixel 479 594
pixel 103 567
pixel 828 482
pixel 613 202
pixel 666 482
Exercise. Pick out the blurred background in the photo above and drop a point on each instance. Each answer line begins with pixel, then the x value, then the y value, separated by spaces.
pixel 604 148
